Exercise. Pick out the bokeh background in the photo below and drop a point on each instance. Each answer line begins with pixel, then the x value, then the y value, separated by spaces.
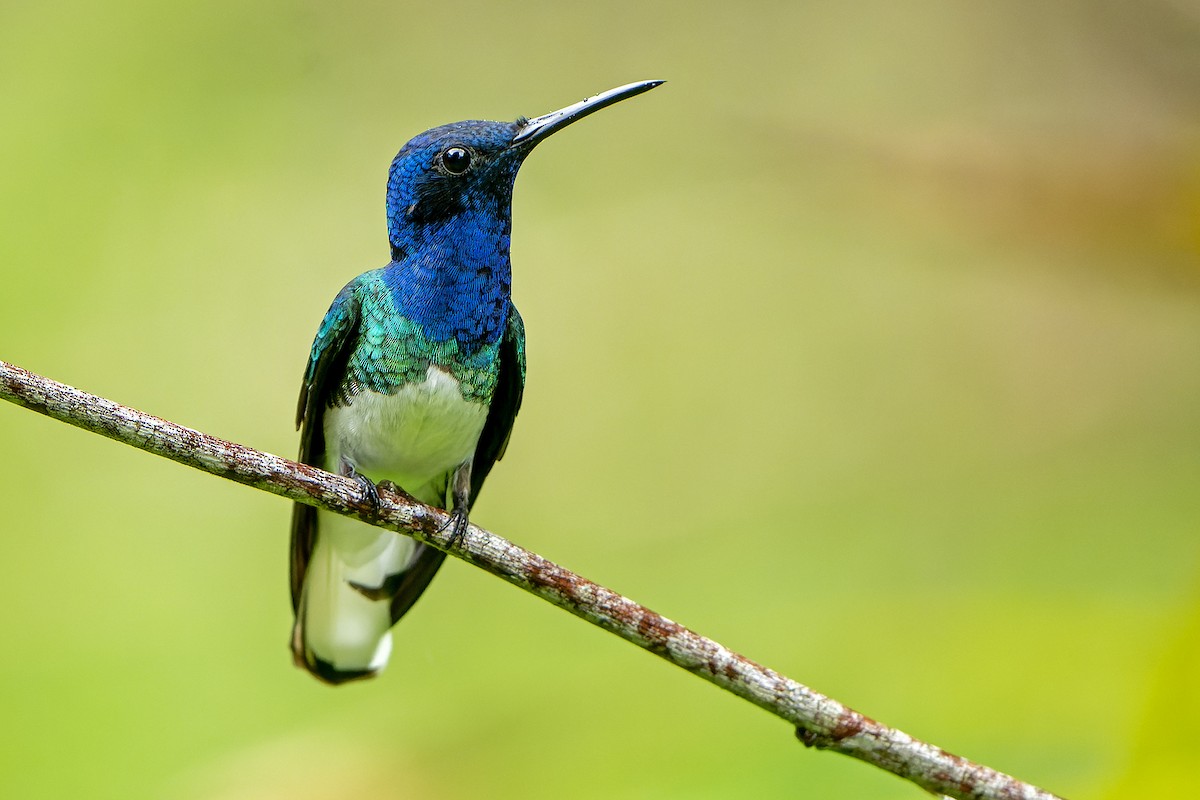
pixel 869 345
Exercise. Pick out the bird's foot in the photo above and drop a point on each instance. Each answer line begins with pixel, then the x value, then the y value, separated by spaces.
pixel 370 498
pixel 457 525
pixel 370 493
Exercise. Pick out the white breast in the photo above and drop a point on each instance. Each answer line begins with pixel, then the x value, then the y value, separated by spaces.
pixel 412 437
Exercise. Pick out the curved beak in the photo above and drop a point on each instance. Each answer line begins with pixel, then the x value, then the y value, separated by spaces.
pixel 534 130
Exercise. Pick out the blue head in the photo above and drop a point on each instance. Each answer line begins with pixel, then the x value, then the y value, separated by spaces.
pixel 450 188
pixel 449 209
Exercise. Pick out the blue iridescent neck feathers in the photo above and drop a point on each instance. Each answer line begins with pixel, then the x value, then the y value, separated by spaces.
pixel 449 210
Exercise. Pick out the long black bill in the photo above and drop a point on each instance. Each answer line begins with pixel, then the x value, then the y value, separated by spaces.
pixel 538 128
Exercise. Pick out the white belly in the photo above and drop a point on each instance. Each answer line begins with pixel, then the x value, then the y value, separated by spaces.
pixel 412 438
pixel 415 438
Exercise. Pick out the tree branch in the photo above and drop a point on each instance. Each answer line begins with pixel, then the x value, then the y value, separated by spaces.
pixel 820 721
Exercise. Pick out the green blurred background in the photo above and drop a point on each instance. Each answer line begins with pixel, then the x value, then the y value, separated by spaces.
pixel 869 345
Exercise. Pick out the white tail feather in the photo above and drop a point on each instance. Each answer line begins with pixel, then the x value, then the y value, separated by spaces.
pixel 337 623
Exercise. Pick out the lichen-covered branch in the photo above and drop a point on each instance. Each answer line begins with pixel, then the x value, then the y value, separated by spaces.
pixel 819 721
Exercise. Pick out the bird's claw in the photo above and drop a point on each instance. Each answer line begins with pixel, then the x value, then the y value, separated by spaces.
pixel 370 498
pixel 458 526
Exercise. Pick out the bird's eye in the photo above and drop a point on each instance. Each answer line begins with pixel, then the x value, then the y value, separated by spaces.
pixel 456 160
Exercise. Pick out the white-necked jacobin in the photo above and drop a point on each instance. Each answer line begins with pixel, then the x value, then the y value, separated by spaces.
pixel 415 377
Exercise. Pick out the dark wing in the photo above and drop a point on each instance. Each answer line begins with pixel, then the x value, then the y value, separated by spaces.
pixel 330 352
pixel 506 402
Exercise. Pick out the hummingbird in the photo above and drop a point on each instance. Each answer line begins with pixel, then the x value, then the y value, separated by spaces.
pixel 415 378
